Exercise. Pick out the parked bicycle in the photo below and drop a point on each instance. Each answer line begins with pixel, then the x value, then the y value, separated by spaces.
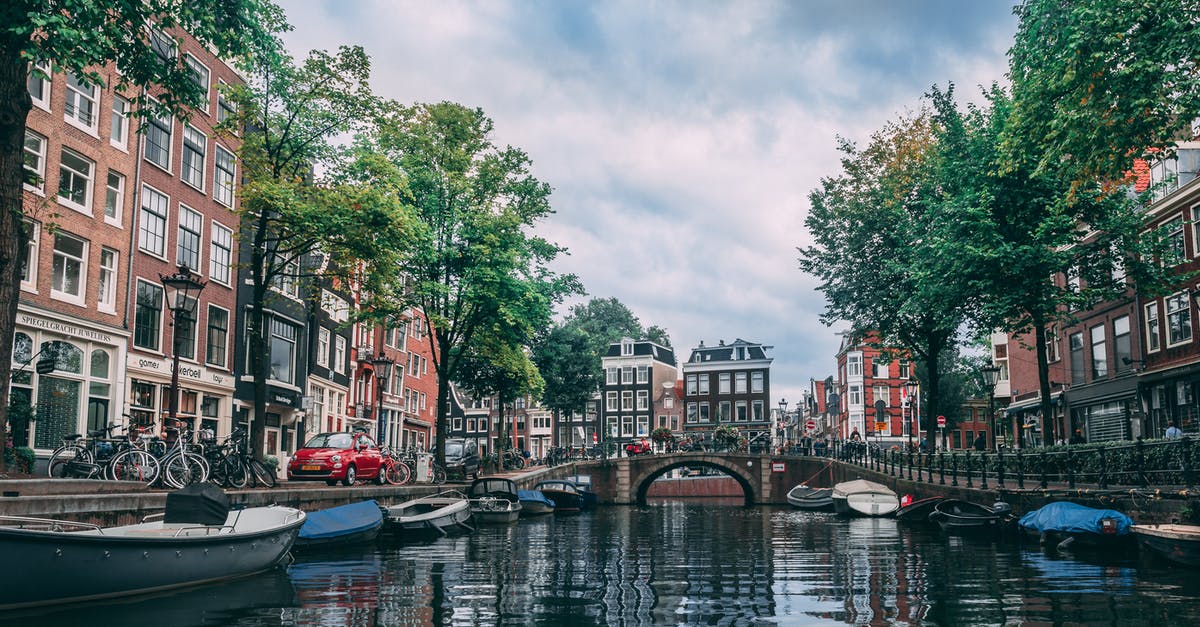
pixel 394 470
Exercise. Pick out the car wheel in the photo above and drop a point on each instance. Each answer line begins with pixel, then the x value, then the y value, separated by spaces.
pixel 351 476
pixel 381 478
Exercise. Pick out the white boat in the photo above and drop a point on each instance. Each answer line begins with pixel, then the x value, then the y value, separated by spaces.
pixel 864 498
pixel 495 500
pixel 64 562
pixel 439 514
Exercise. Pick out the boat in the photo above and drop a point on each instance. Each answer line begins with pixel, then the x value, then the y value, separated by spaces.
pixel 864 498
pixel 1177 543
pixel 494 500
pixel 534 503
pixel 564 492
pixel 584 484
pixel 957 516
pixel 438 514
pixel 356 523
pixel 918 510
pixel 1065 524
pixel 198 539
pixel 805 497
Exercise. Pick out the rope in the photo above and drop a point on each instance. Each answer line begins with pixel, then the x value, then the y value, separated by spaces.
pixel 828 466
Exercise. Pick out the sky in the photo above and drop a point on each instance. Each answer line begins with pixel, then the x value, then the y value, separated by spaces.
pixel 681 139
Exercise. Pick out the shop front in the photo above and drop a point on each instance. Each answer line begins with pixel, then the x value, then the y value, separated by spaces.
pixel 205 402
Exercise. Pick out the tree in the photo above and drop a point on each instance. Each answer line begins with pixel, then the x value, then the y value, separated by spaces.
pixel 77 36
pixel 570 371
pixel 476 265
pixel 497 367
pixel 1100 82
pixel 310 211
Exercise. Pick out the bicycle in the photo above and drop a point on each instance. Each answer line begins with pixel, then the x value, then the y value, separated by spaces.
pixel 394 471
pixel 80 457
pixel 180 466
pixel 133 460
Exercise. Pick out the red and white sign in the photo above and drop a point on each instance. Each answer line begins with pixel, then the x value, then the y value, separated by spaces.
pixel 811 425
pixel 941 422
pixel 778 467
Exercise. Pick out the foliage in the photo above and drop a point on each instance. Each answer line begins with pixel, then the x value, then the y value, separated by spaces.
pixel 562 354
pixel 21 457
pixel 727 436
pixel 271 462
pixel 1099 82
pixel 661 435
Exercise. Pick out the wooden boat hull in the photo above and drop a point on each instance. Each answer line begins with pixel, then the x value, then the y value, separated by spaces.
pixel 64 567
pixel 432 515
pixel 919 510
pixel 816 499
pixel 1177 543
pixel 963 517
pixel 864 498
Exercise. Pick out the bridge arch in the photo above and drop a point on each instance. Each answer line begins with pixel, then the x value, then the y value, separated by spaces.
pixel 745 469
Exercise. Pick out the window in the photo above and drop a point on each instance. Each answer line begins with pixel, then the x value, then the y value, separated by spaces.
pixel 756 381
pixel 223 171
pixel 854 365
pixel 158 141
pixel 643 400
pixel 81 103
pixel 225 108
pixel 1099 352
pixel 1179 319
pixel 613 376
pixel 283 350
pixel 70 267
pixel 880 367
pixel 854 396
pixel 1175 242
pixel 1073 284
pixel 163 44
pixel 643 374
pixel 692 412
pixel 739 411
pixel 1152 330
pixel 199 76
pixel 107 297
pixel 1075 341
pixel 29 260
pixel 724 411
pixel 1122 349
pixel 723 383
pixel 704 414
pixel 1052 353
pixel 75 181
pixel 703 380
pixel 148 316
pixel 627 400
pixel 691 385
pixel 39 84
pixel 757 408
pixel 626 348
pixel 187 249
pixel 114 197
pixel 339 354
pixel 882 393
pixel 739 383
pixel 286 281
pixel 118 132
pixel 323 347
pixel 905 369
pixel 184 335
pixel 35 161
pixel 195 146
pixel 220 253
pixel 218 336
pixel 627 374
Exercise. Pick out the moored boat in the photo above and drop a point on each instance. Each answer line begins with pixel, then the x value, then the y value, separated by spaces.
pixel 864 498
pixel 564 493
pixel 918 510
pixel 494 500
pixel 534 503
pixel 957 516
pixel 1066 524
pixel 439 514
pixel 1177 543
pixel 584 484
pixel 805 497
pixel 356 523
pixel 197 540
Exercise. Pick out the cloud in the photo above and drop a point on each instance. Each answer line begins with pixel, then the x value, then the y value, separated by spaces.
pixel 681 138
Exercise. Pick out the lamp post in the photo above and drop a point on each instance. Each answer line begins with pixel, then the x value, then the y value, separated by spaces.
pixel 383 369
pixel 183 294
pixel 911 388
pixel 991 375
pixel 783 420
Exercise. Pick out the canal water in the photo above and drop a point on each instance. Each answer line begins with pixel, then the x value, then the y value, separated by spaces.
pixel 678 562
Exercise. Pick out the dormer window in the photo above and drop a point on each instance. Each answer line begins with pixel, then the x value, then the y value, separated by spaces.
pixel 626 348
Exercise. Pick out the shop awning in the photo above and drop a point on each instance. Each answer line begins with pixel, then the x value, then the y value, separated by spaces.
pixel 1033 403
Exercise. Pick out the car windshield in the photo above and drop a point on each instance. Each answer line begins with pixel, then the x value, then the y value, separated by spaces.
pixel 331 440
pixel 454 449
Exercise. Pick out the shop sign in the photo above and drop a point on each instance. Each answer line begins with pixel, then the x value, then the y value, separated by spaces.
pixel 64 328
pixel 187 372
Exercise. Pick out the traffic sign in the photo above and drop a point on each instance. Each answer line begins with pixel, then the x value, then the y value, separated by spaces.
pixel 811 425
pixel 941 422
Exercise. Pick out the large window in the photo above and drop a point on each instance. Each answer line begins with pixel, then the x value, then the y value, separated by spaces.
pixel 283 350
pixel 691 387
pixel 29 256
pixel 1099 352
pixel 1122 348
pixel 158 141
pixel 199 75
pixel 879 366
pixel 118 132
pixel 627 374
pixel 70 267
pixel 1152 328
pixel 739 383
pixel 225 108
pixel 195 146
pixel 756 381
pixel 323 347
pixel 703 381
pixel 339 355
pixel 1179 319
pixel 881 393
pixel 35 161
pixel 1175 241
pixel 643 374
pixel 223 172
pixel 854 365
pixel 1075 341
pixel 643 400
pixel 187 249
pixel 739 412
pixel 218 334
pixel 107 296
pixel 724 411
pixel 75 174
pixel 114 197
pixel 152 223
pixel 723 383
pixel 80 109
pixel 184 333
pixel 220 253
pixel 627 400
pixel 39 84
pixel 148 316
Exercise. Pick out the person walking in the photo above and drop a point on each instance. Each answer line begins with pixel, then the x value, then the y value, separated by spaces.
pixel 981 442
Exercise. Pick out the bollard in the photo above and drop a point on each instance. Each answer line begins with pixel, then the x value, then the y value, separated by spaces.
pixel 1000 468
pixel 954 469
pixel 967 465
pixel 941 468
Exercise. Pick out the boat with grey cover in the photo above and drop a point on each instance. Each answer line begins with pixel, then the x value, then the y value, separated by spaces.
pixel 439 514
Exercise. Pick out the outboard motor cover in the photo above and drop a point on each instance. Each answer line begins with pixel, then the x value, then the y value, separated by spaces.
pixel 200 504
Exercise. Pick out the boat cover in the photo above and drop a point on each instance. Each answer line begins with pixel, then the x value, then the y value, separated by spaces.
pixel 1067 517
pixel 534 495
pixel 198 504
pixel 342 520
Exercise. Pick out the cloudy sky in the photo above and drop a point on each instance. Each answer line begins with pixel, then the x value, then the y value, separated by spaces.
pixel 681 138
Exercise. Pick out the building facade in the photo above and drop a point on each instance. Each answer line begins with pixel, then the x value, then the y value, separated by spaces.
pixel 728 384
pixel 634 374
pixel 872 400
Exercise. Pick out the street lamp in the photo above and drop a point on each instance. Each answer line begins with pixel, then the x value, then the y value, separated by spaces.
pixel 991 375
pixel 183 294
pixel 383 369
pixel 782 424
pixel 911 388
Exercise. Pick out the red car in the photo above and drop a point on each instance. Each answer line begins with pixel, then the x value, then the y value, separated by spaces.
pixel 333 457
pixel 639 447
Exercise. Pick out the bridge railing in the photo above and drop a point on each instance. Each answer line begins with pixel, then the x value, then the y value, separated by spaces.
pixel 1137 463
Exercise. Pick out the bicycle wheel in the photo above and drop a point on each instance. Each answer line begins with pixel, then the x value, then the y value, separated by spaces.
pixel 262 475
pixel 58 466
pixel 439 474
pixel 184 469
pixel 235 471
pixel 133 465
pixel 398 474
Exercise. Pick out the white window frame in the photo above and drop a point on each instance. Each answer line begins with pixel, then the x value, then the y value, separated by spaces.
pixel 82 260
pixel 29 283
pixel 854 365
pixel 724 383
pixel 740 383
pixel 339 354
pixel 159 219
pixel 612 376
pixel 626 374
pixel 704 381
pixel 40 170
pixel 885 396
pixel 223 104
pixel 75 97
pixel 106 293
pixel 89 182
pixel 193 64
pixel 119 193
pixel 189 221
pixel 879 365
pixel 757 382
pixel 323 347
pixel 1183 309
pixel 643 400
pixel 160 39
pixel 151 124
pixel 119 111
pixel 643 374
pixel 692 385
pixel 220 253
pixel 207 342
pixel 224 180
pixel 46 83
pixel 626 400
pixel 195 146
pixel 1153 328
pixel 610 401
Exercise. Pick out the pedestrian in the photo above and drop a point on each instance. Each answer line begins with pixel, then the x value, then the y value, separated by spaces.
pixel 1173 431
pixel 981 442
pixel 1077 437
pixel 854 436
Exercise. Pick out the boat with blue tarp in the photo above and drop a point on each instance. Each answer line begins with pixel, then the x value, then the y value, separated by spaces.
pixel 1065 524
pixel 355 523
pixel 534 503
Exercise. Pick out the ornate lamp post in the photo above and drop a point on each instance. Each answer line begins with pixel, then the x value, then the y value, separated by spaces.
pixel 991 375
pixel 911 388
pixel 183 294
pixel 383 370
pixel 783 424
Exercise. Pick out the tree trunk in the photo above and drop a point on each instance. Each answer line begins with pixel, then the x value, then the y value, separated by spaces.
pixel 1039 327
pixel 442 367
pixel 14 108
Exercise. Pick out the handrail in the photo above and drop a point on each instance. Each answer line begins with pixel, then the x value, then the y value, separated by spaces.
pixel 55 525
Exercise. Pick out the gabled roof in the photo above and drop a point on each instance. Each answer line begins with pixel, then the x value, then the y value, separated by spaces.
pixel 643 348
pixel 729 352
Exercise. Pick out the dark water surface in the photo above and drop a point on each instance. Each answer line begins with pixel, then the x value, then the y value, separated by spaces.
pixel 674 562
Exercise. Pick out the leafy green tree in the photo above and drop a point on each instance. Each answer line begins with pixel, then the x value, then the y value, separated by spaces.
pixel 1100 82
pixel 77 37
pixel 476 265
pixel 571 373
pixel 495 366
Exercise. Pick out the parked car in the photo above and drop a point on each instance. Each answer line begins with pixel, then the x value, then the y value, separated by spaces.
pixel 333 457
pixel 462 457
pixel 639 447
